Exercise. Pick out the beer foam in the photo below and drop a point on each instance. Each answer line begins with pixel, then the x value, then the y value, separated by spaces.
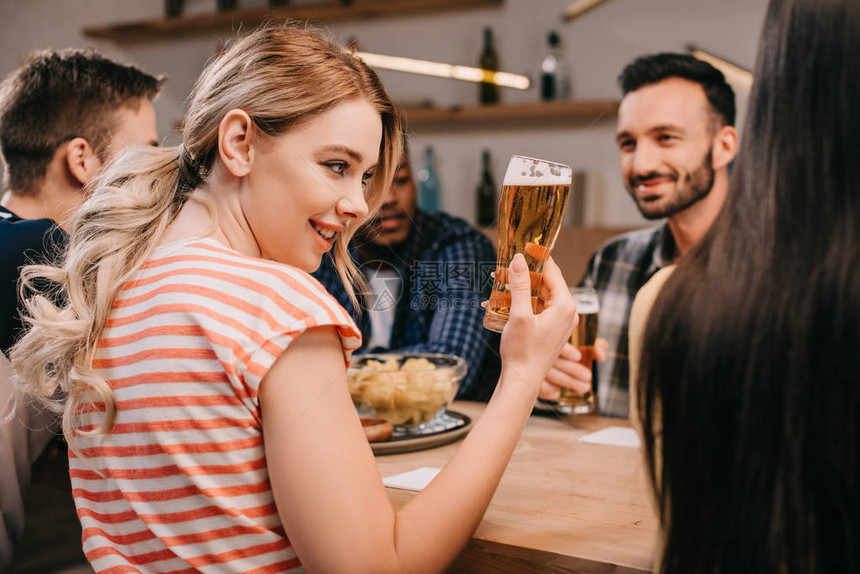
pixel 586 303
pixel 587 307
pixel 530 171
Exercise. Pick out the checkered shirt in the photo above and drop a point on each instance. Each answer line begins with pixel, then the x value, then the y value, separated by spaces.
pixel 444 266
pixel 617 271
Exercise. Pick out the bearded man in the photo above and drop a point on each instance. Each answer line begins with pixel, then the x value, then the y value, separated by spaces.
pixel 676 140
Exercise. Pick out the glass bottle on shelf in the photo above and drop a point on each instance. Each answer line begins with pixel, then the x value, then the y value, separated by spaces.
pixel 488 207
pixel 489 60
pixel 173 8
pixel 428 183
pixel 225 5
pixel 554 82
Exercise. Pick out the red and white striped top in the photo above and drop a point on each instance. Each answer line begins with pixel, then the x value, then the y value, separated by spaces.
pixel 185 485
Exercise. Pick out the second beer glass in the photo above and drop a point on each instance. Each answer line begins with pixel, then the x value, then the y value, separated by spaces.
pixel 583 338
pixel 531 211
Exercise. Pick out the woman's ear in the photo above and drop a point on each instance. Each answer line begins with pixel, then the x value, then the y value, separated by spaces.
pixel 236 141
pixel 81 160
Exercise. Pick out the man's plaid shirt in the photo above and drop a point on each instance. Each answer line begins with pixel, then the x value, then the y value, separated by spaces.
pixel 617 271
pixel 444 267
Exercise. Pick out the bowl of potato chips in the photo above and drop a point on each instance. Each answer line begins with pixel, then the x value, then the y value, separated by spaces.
pixel 409 390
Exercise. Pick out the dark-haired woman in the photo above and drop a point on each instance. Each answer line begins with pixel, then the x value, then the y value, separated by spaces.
pixel 748 391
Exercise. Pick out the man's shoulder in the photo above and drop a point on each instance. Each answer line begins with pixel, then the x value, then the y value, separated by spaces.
pixel 28 236
pixel 439 228
pixel 632 245
pixel 445 222
pixel 13 227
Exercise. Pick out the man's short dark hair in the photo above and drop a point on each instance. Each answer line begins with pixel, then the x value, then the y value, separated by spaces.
pixel 55 96
pixel 647 70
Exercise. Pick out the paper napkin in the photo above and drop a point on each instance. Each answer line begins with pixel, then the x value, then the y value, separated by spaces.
pixel 616 436
pixel 413 480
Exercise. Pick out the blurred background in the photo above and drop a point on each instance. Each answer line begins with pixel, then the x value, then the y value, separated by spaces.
pixel 593 47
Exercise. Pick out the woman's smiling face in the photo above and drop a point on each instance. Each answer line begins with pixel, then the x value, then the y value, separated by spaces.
pixel 308 183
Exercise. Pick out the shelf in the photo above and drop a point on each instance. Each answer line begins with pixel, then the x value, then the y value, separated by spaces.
pixel 251 17
pixel 540 114
pixel 502 116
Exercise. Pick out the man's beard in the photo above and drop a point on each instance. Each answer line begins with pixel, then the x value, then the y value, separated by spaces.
pixel 697 185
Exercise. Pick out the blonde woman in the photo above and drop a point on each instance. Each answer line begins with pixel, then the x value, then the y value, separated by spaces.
pixel 204 369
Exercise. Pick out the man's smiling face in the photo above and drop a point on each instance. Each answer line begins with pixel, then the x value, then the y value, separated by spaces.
pixel 665 141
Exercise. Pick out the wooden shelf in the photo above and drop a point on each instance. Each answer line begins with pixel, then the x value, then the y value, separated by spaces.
pixel 251 17
pixel 539 114
pixel 502 116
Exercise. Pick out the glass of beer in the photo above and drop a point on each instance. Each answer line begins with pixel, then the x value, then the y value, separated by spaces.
pixel 531 211
pixel 583 338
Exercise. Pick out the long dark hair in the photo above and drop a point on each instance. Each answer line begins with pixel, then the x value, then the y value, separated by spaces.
pixel 748 387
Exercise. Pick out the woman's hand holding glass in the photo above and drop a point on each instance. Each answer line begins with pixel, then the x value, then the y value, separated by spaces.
pixel 531 342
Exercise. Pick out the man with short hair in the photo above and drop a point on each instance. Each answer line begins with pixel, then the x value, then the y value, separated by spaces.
pixel 426 275
pixel 63 114
pixel 676 140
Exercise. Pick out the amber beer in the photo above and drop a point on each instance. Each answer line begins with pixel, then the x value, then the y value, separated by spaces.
pixel 583 338
pixel 531 211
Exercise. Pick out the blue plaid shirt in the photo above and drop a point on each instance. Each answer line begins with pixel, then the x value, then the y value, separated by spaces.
pixel 617 271
pixel 444 267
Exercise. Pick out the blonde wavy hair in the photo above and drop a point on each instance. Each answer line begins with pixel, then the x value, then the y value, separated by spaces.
pixel 280 76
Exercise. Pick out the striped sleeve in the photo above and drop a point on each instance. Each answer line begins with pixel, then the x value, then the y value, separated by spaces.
pixel 250 309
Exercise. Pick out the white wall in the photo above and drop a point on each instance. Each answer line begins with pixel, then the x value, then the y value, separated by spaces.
pixel 597 46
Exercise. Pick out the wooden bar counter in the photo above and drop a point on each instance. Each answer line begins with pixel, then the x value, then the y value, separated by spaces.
pixel 562 505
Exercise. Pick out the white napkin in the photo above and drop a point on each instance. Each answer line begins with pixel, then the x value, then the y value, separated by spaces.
pixel 413 480
pixel 616 436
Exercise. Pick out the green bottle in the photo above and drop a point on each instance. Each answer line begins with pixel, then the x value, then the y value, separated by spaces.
pixel 488 206
pixel 489 92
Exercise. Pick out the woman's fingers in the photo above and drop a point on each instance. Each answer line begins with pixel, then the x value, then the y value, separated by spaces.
pixel 554 288
pixel 520 286
pixel 533 341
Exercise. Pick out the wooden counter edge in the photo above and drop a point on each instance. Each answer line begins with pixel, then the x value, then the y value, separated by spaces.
pixel 486 557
